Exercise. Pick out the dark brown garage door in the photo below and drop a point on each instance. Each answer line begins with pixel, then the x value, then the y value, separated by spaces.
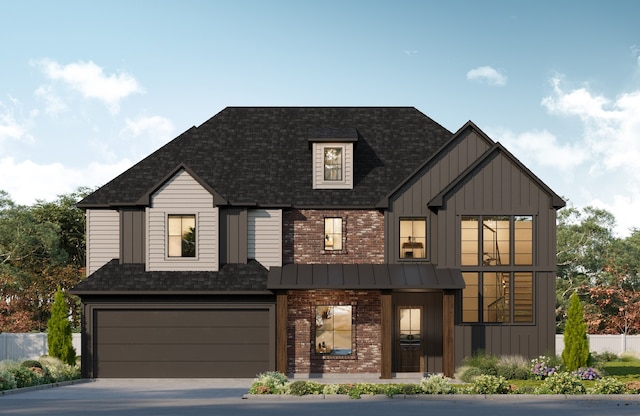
pixel 183 342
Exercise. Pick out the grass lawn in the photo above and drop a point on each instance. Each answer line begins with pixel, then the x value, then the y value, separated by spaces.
pixel 623 370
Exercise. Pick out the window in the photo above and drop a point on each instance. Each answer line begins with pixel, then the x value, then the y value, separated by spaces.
pixel 182 235
pixel 413 238
pixel 332 234
pixel 491 247
pixel 333 164
pixel 333 330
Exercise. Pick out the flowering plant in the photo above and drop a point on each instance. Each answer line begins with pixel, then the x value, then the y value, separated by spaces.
pixel 587 373
pixel 541 369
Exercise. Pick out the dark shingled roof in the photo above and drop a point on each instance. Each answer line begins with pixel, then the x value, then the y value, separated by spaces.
pixel 114 278
pixel 261 155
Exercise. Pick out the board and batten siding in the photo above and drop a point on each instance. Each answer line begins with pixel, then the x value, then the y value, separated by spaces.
pixel 265 236
pixel 103 237
pixel 182 195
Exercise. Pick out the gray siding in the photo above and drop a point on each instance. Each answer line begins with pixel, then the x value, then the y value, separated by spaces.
pixel 103 237
pixel 132 236
pixel 182 195
pixel 265 236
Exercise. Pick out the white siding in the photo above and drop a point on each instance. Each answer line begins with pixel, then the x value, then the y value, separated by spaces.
pixel 103 237
pixel 265 236
pixel 318 167
pixel 182 195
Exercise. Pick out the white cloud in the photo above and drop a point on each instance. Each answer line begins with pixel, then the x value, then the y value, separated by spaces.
pixel 27 181
pixel 54 104
pixel 12 128
pixel 90 80
pixel 543 149
pixel 611 127
pixel 155 126
pixel 487 74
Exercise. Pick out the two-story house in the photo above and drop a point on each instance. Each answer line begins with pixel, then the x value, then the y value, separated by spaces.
pixel 317 240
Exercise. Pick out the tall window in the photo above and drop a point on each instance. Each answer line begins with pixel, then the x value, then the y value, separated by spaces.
pixel 491 247
pixel 182 235
pixel 413 238
pixel 332 234
pixel 333 330
pixel 333 164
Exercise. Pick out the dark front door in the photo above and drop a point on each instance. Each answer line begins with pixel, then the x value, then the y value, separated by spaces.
pixel 409 340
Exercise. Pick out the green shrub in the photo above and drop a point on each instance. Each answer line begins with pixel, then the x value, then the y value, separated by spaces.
pixel 59 339
pixel 525 390
pixel 393 389
pixel 270 382
pixel 7 380
pixel 302 388
pixel 468 374
pixel 58 370
pixel 435 384
pixel 26 378
pixel 488 384
pixel 562 383
pixel 486 363
pixel 331 389
pixel 576 343
pixel 31 364
pixel 604 357
pixel 608 385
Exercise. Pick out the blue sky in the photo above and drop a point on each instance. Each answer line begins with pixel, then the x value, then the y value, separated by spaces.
pixel 89 88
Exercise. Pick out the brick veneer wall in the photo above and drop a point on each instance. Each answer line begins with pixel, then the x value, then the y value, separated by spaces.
pixel 366 335
pixel 303 239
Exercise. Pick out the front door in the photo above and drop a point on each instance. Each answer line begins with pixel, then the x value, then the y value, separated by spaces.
pixel 409 340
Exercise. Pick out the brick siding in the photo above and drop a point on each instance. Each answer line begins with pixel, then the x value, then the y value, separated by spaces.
pixel 366 335
pixel 362 239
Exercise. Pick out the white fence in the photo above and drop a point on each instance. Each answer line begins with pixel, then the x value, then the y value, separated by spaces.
pixel 31 346
pixel 28 346
pixel 616 344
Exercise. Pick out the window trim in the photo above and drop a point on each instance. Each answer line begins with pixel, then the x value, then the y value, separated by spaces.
pixel 347 163
pixel 181 258
pixel 400 244
pixel 314 334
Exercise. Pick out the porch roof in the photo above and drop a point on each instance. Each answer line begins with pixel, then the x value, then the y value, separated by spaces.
pixel 364 276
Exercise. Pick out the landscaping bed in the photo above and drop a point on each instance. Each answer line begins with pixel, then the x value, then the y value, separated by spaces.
pixel 30 373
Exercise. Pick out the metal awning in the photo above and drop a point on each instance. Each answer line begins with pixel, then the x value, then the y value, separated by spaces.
pixel 363 276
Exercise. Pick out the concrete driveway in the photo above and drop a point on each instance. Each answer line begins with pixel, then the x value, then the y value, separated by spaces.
pixel 125 397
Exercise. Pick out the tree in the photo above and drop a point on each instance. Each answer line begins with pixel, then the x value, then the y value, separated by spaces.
pixel 59 339
pixel 585 246
pixel 576 343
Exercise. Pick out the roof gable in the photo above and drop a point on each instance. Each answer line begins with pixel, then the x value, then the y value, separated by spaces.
pixel 438 201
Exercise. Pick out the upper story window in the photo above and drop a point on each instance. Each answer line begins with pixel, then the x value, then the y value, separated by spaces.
pixel 333 163
pixel 413 238
pixel 332 234
pixel 493 250
pixel 333 158
pixel 182 235
pixel 496 240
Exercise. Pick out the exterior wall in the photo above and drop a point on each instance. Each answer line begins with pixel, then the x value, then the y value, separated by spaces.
pixel 132 236
pixel 366 332
pixel 412 199
pixel 363 237
pixel 103 237
pixel 496 187
pixel 182 195
pixel 265 236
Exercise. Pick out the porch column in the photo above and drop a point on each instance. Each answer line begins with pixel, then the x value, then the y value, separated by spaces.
pixel 281 332
pixel 386 324
pixel 448 345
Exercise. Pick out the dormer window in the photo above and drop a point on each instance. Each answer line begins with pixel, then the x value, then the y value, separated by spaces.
pixel 333 163
pixel 332 160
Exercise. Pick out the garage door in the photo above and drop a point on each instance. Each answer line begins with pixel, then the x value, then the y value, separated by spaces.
pixel 183 343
